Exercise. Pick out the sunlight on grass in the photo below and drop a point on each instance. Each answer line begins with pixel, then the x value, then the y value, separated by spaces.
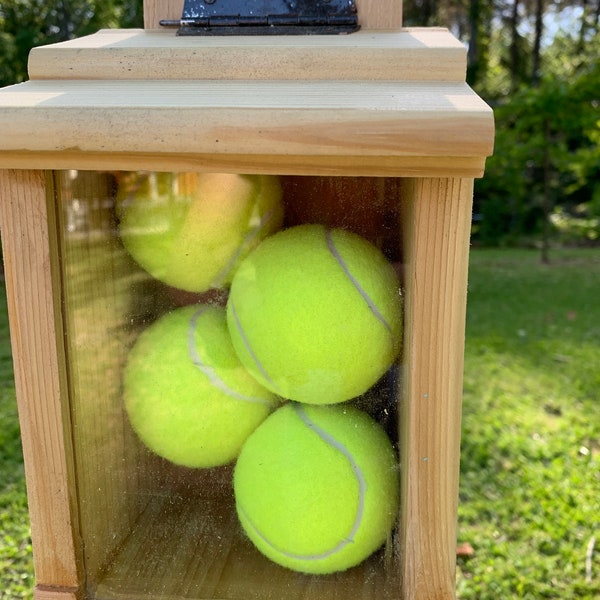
pixel 530 483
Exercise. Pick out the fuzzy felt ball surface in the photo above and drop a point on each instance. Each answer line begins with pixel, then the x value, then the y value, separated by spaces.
pixel 315 314
pixel 317 487
pixel 187 396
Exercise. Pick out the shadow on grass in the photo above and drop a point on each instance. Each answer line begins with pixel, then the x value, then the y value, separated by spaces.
pixel 530 483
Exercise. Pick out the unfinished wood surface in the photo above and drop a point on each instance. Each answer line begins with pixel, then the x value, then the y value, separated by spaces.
pixel 191 549
pixel 30 263
pixel 379 166
pixel 416 54
pixel 372 14
pixel 157 10
pixel 229 117
pixel 49 593
pixel 436 228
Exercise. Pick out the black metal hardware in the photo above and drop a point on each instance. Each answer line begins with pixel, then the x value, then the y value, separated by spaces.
pixel 266 17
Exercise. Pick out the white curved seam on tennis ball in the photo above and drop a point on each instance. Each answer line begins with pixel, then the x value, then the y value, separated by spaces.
pixel 248 346
pixel 338 257
pixel 222 275
pixel 362 490
pixel 210 373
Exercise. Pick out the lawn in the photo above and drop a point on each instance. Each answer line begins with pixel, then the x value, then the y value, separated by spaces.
pixel 530 481
pixel 16 572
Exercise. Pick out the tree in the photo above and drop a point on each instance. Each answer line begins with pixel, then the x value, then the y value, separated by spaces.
pixel 479 34
pixel 537 43
pixel 547 156
pixel 25 24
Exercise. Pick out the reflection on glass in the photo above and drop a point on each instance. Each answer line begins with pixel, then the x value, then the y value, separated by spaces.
pixel 200 310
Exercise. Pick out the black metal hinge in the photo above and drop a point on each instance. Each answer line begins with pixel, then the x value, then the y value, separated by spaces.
pixel 266 17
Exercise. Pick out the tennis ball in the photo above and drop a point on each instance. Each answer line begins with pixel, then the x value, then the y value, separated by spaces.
pixel 187 396
pixel 190 230
pixel 315 314
pixel 317 487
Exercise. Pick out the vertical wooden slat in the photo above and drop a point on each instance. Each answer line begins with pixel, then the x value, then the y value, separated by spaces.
pixel 36 335
pixel 379 14
pixel 155 10
pixel 436 227
pixel 372 14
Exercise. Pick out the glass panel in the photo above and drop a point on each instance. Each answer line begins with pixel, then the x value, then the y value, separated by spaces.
pixel 174 370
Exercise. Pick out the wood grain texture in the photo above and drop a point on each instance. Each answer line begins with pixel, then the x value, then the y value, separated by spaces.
pixel 54 593
pixel 436 228
pixel 416 54
pixel 196 549
pixel 30 262
pixel 100 295
pixel 288 164
pixel 373 14
pixel 156 10
pixel 231 117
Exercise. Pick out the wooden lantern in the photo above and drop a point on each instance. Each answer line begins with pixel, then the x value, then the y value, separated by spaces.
pixel 375 130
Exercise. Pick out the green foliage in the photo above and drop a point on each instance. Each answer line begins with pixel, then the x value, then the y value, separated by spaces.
pixel 577 226
pixel 546 159
pixel 25 24
pixel 546 154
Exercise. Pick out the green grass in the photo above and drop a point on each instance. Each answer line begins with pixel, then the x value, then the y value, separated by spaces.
pixel 16 570
pixel 530 481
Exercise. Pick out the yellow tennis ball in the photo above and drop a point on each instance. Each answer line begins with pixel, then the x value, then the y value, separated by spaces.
pixel 187 396
pixel 190 230
pixel 315 314
pixel 317 487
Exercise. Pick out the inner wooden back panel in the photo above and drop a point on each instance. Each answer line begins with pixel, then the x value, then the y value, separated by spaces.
pixel 372 14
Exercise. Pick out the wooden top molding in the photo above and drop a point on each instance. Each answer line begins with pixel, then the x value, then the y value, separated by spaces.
pixel 246 117
pixel 370 103
pixel 415 54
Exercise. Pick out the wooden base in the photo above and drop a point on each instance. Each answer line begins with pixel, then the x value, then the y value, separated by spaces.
pixel 53 593
pixel 194 548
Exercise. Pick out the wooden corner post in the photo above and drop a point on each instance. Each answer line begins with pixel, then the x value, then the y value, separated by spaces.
pixel 436 225
pixel 30 254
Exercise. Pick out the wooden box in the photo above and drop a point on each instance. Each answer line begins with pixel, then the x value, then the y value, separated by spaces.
pixel 376 131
